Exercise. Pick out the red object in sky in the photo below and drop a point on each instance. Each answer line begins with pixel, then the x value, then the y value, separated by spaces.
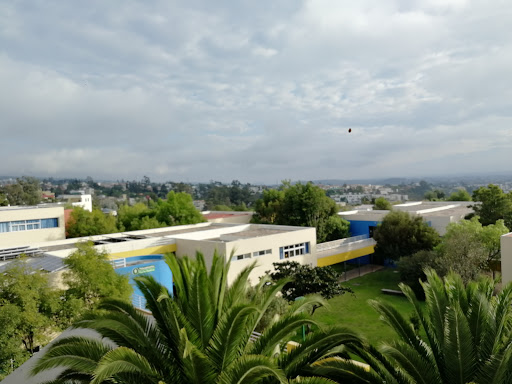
pixel 349 130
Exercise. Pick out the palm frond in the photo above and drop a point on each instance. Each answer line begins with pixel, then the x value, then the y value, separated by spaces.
pixel 459 347
pixel 250 369
pixel 124 360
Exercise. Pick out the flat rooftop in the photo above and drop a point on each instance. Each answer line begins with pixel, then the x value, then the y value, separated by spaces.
pixel 249 234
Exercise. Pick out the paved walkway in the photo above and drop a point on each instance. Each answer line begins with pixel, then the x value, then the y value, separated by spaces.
pixel 360 271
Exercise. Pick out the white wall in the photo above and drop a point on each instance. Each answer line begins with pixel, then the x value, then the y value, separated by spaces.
pixel 274 242
pixel 506 258
pixel 29 237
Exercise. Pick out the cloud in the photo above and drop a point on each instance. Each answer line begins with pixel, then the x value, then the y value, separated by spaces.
pixel 258 92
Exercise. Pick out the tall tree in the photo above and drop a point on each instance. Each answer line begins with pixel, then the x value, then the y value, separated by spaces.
pixel 91 277
pixel 494 205
pixel 302 205
pixel 467 248
pixel 401 234
pixel 177 209
pixel 202 334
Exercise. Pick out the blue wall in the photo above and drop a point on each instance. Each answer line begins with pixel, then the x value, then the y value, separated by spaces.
pixel 359 227
pixel 162 273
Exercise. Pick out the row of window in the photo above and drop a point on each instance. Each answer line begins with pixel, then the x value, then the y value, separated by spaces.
pixel 293 250
pixel 28 225
pixel 284 252
pixel 254 254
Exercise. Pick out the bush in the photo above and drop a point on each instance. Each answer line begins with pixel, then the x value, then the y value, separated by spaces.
pixel 412 269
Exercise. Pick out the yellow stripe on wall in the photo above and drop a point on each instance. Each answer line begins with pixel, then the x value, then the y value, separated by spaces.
pixel 341 257
pixel 145 251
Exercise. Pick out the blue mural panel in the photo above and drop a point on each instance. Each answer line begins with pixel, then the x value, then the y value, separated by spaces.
pixel 150 265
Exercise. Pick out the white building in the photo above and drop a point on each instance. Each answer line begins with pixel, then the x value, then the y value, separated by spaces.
pixel 27 225
pixel 82 200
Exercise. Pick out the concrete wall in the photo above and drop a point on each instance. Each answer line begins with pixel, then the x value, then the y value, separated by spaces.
pixel 506 258
pixel 29 237
pixel 273 242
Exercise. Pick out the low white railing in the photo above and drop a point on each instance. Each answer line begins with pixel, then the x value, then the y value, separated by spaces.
pixel 139 301
pixel 337 243
pixel 118 263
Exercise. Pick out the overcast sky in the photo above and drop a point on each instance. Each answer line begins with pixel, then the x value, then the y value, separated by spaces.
pixel 257 91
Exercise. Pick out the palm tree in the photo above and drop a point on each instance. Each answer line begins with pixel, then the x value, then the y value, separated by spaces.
pixel 464 336
pixel 202 334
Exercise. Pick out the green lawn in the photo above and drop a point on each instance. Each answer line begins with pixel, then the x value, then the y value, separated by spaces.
pixel 354 312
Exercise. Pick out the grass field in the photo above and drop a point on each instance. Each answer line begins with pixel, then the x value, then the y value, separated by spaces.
pixel 354 312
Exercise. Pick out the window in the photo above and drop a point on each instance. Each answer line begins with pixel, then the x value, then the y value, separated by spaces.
pixel 28 225
pixel 261 253
pixel 241 257
pixel 293 250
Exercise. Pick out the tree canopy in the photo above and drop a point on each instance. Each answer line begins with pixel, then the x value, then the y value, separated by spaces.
pixel 306 280
pixel 494 205
pixel 402 234
pixel 382 204
pixel 467 248
pixel 91 277
pixel 460 195
pixel 84 223
pixel 26 191
pixel 302 205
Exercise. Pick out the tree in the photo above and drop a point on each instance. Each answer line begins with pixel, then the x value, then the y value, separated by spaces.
pixel 494 205
pixel 306 280
pixel 434 195
pixel 464 335
pixel 460 195
pixel 91 277
pixel 467 248
pixel 412 270
pixel 382 204
pixel 178 209
pixel 401 234
pixel 302 205
pixel 27 297
pixel 26 191
pixel 267 208
pixel 84 223
pixel 200 335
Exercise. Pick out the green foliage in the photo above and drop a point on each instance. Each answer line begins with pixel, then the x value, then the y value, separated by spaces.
pixel 91 277
pixel 494 205
pixel 401 234
pixel 434 195
pixel 302 205
pixel 464 335
pixel 178 209
pixel 460 195
pixel 306 280
pixel 266 209
pixel 26 191
pixel 28 310
pixel 412 270
pixel 382 204
pixel 467 248
pixel 84 223
pixel 199 335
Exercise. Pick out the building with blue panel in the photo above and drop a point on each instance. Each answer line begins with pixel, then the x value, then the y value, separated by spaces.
pixel 149 265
